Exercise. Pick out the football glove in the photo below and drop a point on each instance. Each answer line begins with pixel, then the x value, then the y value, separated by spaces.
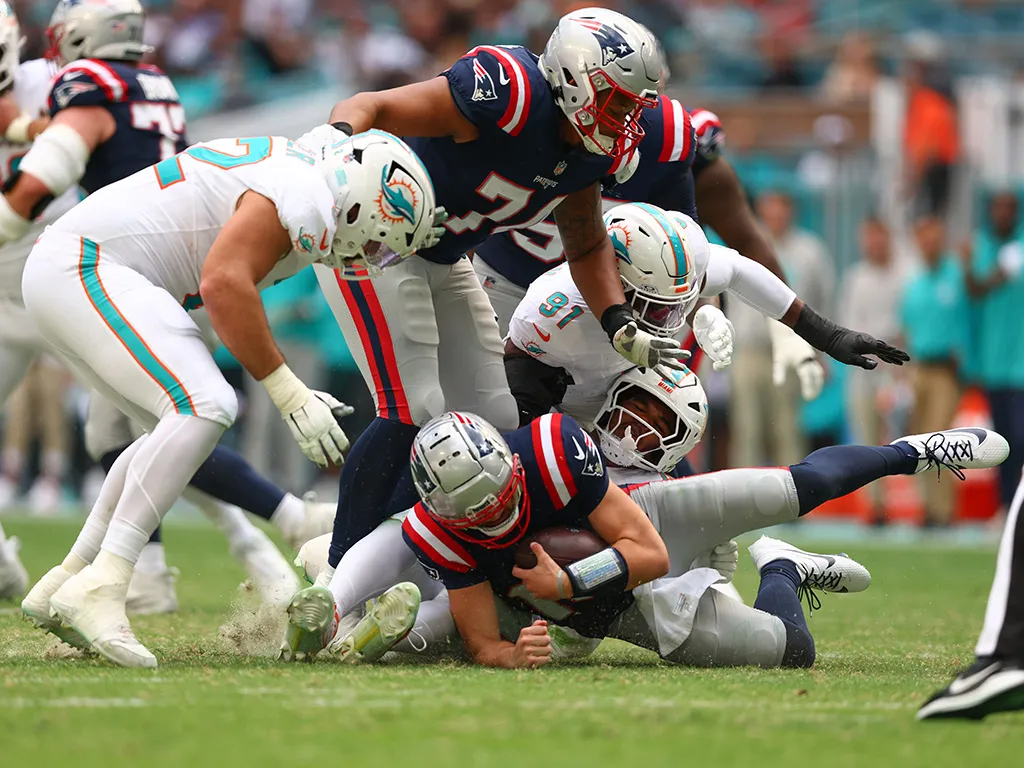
pixel 649 351
pixel 724 558
pixel 311 416
pixel 713 331
pixel 790 351
pixel 846 346
pixel 437 229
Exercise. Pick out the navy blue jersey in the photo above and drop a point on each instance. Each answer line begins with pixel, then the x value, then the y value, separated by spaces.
pixel 663 178
pixel 710 138
pixel 517 171
pixel 566 479
pixel 149 118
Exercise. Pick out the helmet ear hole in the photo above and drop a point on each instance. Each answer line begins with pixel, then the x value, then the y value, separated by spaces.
pixel 569 78
pixel 352 215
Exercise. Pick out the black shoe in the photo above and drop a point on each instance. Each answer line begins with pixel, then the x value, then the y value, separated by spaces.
pixel 987 686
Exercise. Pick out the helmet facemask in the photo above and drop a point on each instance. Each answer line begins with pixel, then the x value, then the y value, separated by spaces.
pixel 635 437
pixel 620 136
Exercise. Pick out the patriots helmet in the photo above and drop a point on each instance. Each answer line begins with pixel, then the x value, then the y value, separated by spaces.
pixel 96 29
pixel 603 68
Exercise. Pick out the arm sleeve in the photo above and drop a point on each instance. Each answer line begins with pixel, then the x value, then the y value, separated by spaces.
pixel 749 281
pixel 536 387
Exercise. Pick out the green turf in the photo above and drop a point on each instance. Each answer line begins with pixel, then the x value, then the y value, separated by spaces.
pixel 880 654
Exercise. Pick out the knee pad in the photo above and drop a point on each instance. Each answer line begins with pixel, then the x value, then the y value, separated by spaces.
pixel 217 402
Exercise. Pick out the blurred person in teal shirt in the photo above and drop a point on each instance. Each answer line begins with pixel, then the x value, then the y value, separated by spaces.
pixel 994 261
pixel 934 315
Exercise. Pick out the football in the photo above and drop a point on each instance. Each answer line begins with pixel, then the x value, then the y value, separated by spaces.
pixel 564 545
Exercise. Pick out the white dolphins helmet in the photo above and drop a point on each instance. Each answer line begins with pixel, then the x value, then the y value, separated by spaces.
pixel 661 261
pixel 469 480
pixel 674 410
pixel 10 45
pixel 96 29
pixel 384 199
pixel 594 55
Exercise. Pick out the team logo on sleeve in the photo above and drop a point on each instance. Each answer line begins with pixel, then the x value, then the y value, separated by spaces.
pixel 532 348
pixel 483 85
pixel 305 242
pixel 591 457
pixel 70 88
pixel 613 44
pixel 397 199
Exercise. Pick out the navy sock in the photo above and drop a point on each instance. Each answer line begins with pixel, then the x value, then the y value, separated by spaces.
pixel 777 595
pixel 227 476
pixel 837 470
pixel 372 475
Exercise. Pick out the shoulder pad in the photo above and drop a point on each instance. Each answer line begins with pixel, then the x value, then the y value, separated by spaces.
pixel 494 85
pixel 709 131
pixel 565 455
pixel 87 83
pixel 678 143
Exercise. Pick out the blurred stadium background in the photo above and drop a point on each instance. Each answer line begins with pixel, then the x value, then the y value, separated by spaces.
pixel 881 142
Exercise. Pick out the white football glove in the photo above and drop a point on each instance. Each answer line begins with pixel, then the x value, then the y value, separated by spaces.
pixel 649 351
pixel 713 331
pixel 437 229
pixel 724 558
pixel 791 351
pixel 312 417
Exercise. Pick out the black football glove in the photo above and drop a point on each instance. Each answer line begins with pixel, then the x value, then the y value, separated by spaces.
pixel 846 346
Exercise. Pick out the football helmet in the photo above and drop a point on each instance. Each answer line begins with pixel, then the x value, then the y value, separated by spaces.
pixel 469 480
pixel 673 411
pixel 10 45
pixel 661 261
pixel 384 199
pixel 596 61
pixel 96 29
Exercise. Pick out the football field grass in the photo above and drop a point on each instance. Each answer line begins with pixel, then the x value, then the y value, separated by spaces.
pixel 879 654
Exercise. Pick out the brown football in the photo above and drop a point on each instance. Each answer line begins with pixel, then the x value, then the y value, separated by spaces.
pixel 564 545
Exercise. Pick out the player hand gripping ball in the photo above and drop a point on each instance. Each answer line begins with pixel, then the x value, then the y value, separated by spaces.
pixel 714 332
pixel 542 580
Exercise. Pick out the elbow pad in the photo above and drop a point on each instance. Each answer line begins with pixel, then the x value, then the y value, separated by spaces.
pixel 536 387
pixel 58 158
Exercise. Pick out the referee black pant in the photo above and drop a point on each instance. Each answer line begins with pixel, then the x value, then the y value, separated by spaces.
pixel 1003 633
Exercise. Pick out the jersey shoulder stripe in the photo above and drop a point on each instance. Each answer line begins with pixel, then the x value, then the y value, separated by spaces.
pixel 549 448
pixel 704 120
pixel 101 73
pixel 678 131
pixel 436 543
pixel 513 70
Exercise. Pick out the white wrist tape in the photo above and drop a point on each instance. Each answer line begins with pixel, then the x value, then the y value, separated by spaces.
pixel 286 390
pixel 17 131
pixel 57 158
pixel 12 226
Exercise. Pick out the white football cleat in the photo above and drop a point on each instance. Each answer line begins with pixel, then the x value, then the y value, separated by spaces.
pixel 387 621
pixel 831 573
pixel 13 576
pixel 152 592
pixel 958 449
pixel 36 607
pixel 45 497
pixel 312 623
pixel 93 604
pixel 273 578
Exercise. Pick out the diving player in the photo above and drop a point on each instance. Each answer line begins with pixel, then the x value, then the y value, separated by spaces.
pixel 666 264
pixel 509 138
pixel 108 285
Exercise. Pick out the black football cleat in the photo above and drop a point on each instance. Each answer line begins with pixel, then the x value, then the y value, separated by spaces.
pixel 985 687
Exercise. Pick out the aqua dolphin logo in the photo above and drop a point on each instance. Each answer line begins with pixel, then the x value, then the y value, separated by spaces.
pixel 621 252
pixel 399 206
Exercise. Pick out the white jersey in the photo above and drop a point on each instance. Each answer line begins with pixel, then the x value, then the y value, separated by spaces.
pixel 31 91
pixel 162 220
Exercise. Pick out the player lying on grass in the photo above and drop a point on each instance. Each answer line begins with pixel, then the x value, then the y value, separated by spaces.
pixel 484 494
pixel 109 285
pixel 666 264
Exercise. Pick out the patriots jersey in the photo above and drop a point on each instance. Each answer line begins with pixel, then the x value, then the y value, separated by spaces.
pixel 710 139
pixel 517 171
pixel 662 177
pixel 144 104
pixel 566 480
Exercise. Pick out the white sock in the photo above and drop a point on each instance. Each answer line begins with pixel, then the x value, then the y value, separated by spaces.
pixel 231 521
pixel 110 568
pixel 89 540
pixel 376 563
pixel 152 558
pixel 323 579
pixel 157 475
pixel 290 515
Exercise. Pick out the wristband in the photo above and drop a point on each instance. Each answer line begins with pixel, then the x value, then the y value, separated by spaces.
pixel 600 575
pixel 616 316
pixel 343 127
pixel 17 131
pixel 286 390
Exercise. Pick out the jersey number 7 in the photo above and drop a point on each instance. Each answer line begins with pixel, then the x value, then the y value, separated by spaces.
pixel 167 119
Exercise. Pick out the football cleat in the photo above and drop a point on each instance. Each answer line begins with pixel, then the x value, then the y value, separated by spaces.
pixel 152 593
pixel 830 573
pixel 319 520
pixel 958 449
pixel 13 576
pixel 36 608
pixel 94 605
pixel 985 687
pixel 387 621
pixel 312 623
pixel 273 578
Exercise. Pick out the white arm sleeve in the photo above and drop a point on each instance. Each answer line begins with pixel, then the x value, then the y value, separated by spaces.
pixel 749 281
